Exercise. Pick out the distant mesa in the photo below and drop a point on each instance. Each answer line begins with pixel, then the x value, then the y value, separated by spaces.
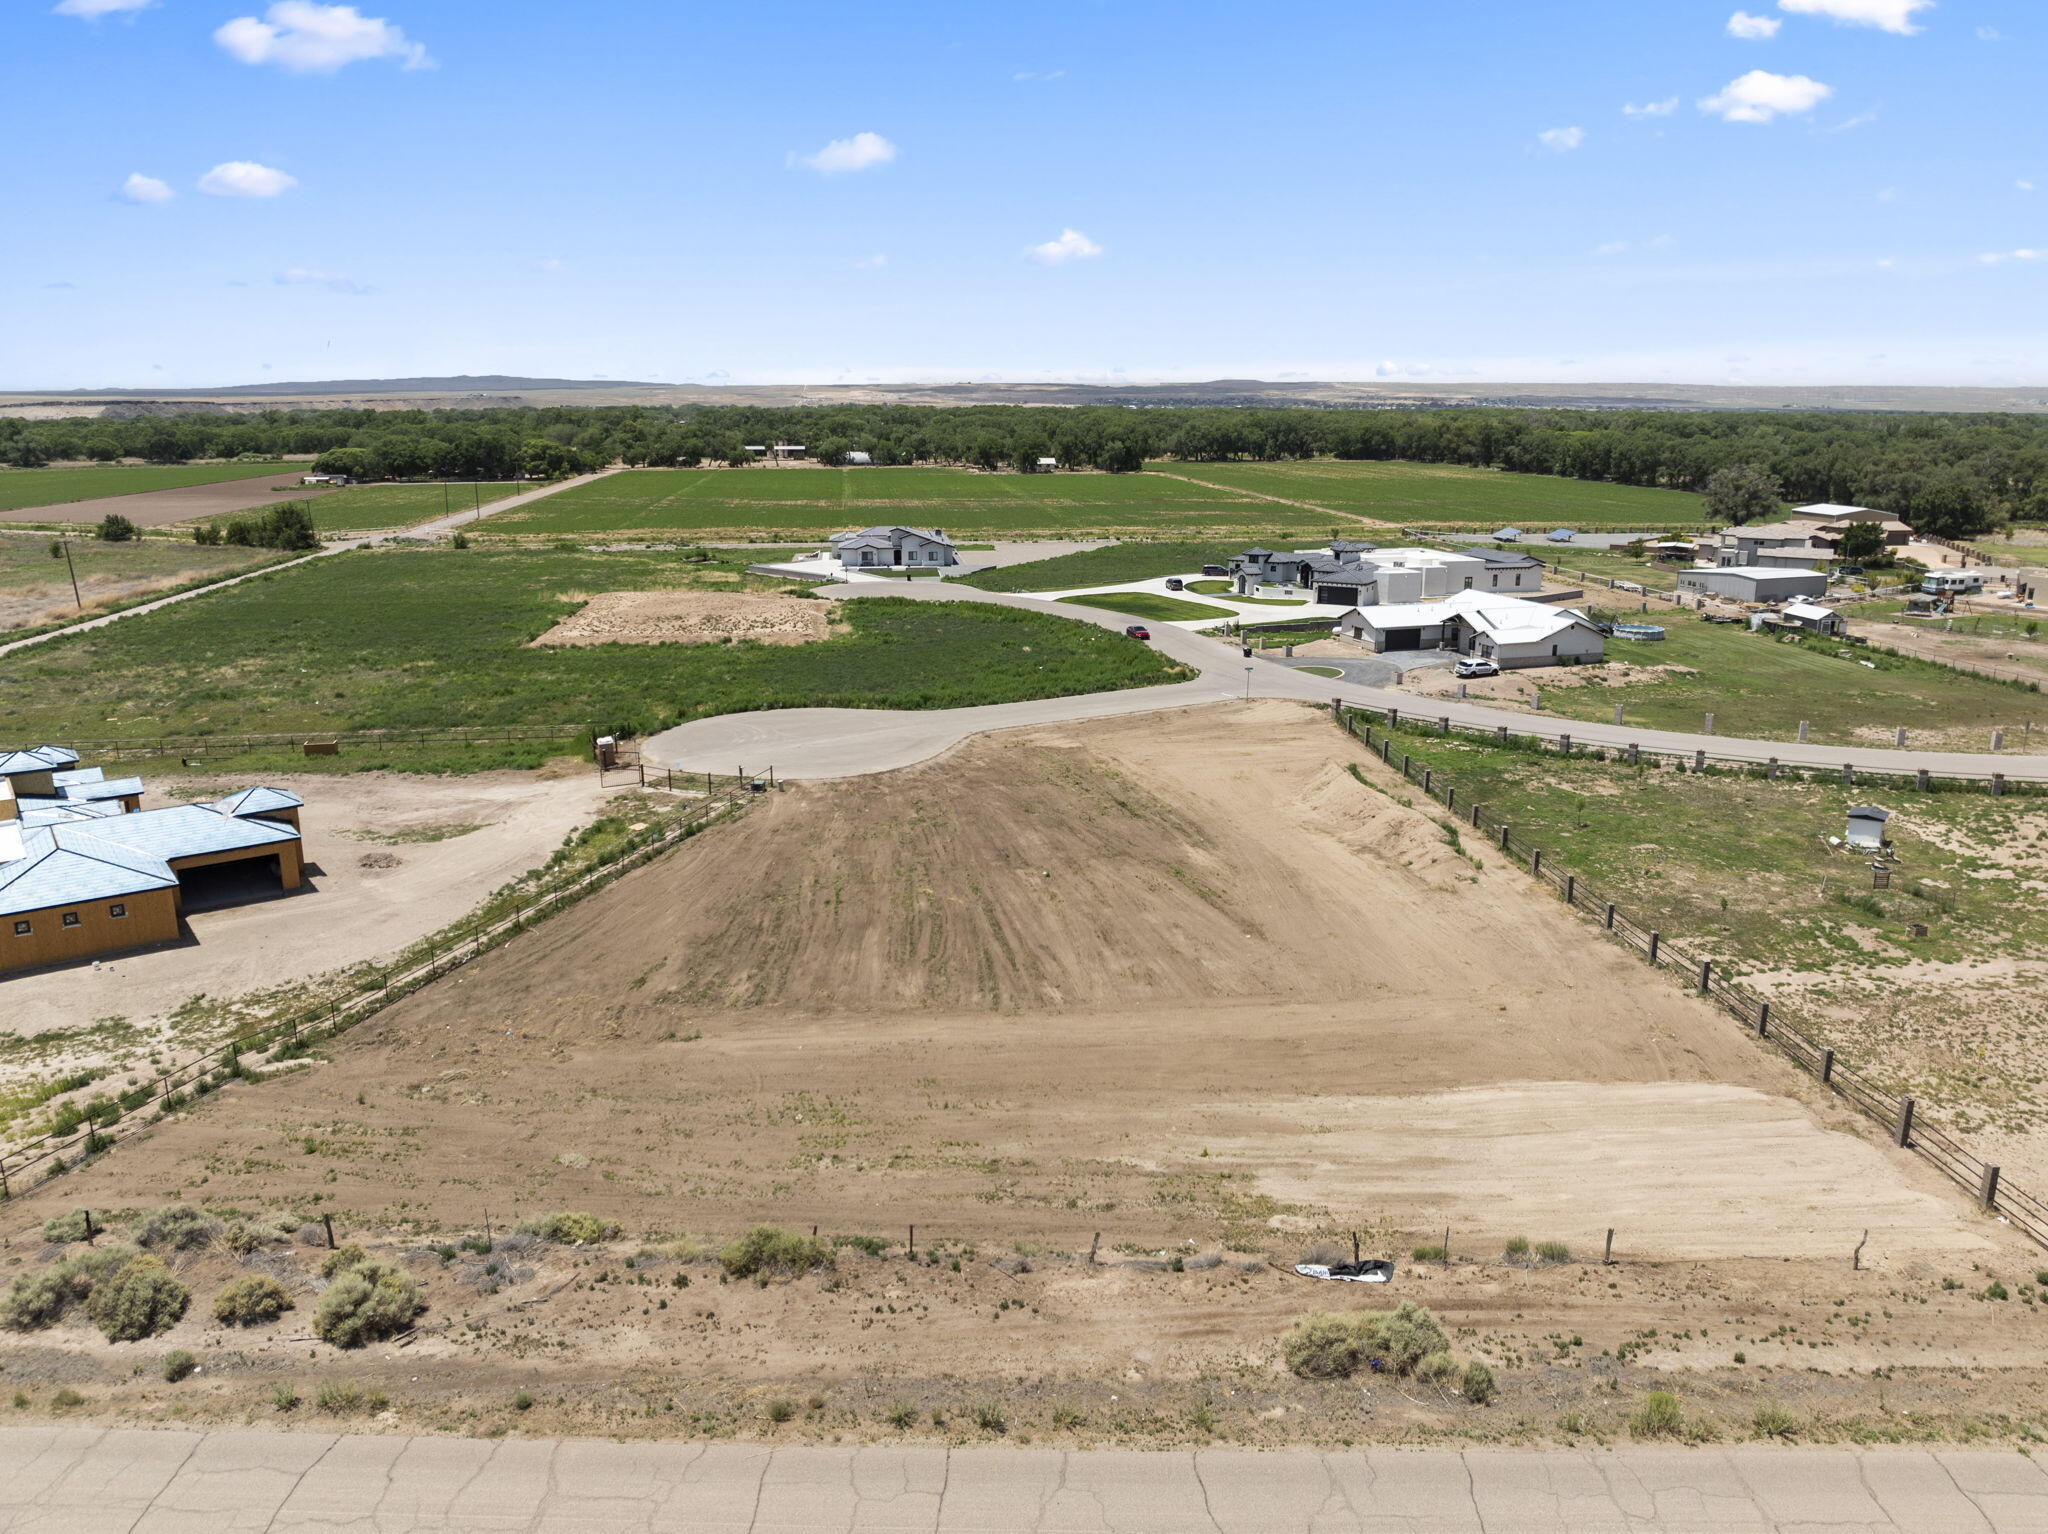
pixel 461 383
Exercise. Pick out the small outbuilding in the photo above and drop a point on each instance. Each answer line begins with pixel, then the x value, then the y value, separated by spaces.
pixel 1508 535
pixel 857 459
pixel 1866 826
pixel 1560 535
pixel 1813 618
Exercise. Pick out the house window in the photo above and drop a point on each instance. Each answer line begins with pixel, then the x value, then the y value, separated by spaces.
pixel 1468 583
pixel 117 910
pixel 23 929
pixel 70 918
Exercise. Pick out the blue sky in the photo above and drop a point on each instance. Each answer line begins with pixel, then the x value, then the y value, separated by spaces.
pixel 1077 189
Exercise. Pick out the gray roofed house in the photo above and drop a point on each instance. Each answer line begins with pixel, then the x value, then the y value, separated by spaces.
pixel 895 546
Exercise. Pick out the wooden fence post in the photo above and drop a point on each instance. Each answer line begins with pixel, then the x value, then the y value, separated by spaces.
pixel 1906 1122
pixel 1571 885
pixel 1987 1186
pixel 328 1221
pixel 1607 1257
pixel 1608 922
pixel 1655 939
pixel 1827 1066
pixel 1706 975
pixel 1536 862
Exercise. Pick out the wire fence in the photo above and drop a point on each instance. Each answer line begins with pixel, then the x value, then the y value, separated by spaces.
pixel 1899 1116
pixel 34 1162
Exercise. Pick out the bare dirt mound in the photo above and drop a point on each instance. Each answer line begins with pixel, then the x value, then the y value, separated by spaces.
pixel 691 617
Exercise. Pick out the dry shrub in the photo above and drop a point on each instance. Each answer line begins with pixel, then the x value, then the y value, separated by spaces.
pixel 137 1300
pixel 366 1303
pixel 1331 1345
pixel 767 1251
pixel 174 1228
pixel 251 1301
pixel 572 1229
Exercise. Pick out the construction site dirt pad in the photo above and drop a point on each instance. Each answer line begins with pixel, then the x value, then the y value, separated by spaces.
pixel 691 617
pixel 1195 982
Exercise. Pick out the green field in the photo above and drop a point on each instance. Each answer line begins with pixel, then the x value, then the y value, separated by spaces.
pixel 419 637
pixel 1447 495
pixel 1147 604
pixel 369 508
pixel 28 489
pixel 813 503
pixel 1759 686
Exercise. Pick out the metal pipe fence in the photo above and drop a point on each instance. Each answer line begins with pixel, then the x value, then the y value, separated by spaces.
pixel 1899 1116
pixel 33 1163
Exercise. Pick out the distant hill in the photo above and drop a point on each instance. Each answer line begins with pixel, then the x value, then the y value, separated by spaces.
pixel 462 383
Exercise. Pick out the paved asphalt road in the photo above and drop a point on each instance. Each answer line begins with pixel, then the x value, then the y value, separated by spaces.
pixel 845 742
pixel 81 1480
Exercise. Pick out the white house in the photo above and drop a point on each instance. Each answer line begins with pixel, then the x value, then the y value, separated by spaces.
pixel 1361 575
pixel 1510 631
pixel 894 546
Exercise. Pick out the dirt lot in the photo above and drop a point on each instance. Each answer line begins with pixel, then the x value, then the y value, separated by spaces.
pixel 2010 656
pixel 691 617
pixel 159 508
pixel 389 859
pixel 35 589
pixel 1181 980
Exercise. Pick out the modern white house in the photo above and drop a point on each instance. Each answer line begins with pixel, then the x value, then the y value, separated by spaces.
pixel 1510 631
pixel 1753 583
pixel 919 547
pixel 1361 574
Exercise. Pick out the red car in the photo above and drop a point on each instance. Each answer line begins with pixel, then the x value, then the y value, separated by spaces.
pixel 1138 631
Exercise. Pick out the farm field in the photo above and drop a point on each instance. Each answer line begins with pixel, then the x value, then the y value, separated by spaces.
pixel 370 508
pixel 1758 686
pixel 419 638
pixel 1176 982
pixel 35 589
pixel 1957 1018
pixel 1447 495
pixel 813 503
pixel 23 490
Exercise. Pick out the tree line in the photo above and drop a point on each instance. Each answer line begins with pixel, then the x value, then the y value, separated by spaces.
pixel 1955 475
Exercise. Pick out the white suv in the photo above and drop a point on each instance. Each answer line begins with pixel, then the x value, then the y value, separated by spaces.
pixel 1475 665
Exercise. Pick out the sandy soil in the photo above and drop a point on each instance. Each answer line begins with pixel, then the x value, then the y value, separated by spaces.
pixel 691 617
pixel 1179 980
pixel 1526 686
pixel 158 508
pixel 347 912
pixel 2009 656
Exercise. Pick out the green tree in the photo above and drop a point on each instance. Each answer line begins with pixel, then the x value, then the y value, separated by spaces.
pixel 1862 543
pixel 115 528
pixel 1741 493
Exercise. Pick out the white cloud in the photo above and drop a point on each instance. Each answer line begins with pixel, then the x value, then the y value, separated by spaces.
pixel 1029 74
pixel 1993 258
pixel 1753 28
pixel 551 264
pixel 1990 35
pixel 860 152
pixel 1887 15
pixel 308 38
pixel 141 188
pixel 1623 247
pixel 1561 139
pixel 2024 186
pixel 1759 96
pixel 245 178
pixel 1651 108
pixel 300 276
pixel 92 10
pixel 1072 245
pixel 1612 248
pixel 873 263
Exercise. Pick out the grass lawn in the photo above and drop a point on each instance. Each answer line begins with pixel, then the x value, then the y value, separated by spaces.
pixel 1136 561
pixel 35 589
pixel 417 637
pixel 1780 908
pixel 1757 685
pixel 1147 604
pixel 27 489
pixel 366 508
pixel 1447 495
pixel 812 503
pixel 1612 564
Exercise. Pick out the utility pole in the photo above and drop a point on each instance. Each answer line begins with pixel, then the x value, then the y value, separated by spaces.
pixel 73 571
